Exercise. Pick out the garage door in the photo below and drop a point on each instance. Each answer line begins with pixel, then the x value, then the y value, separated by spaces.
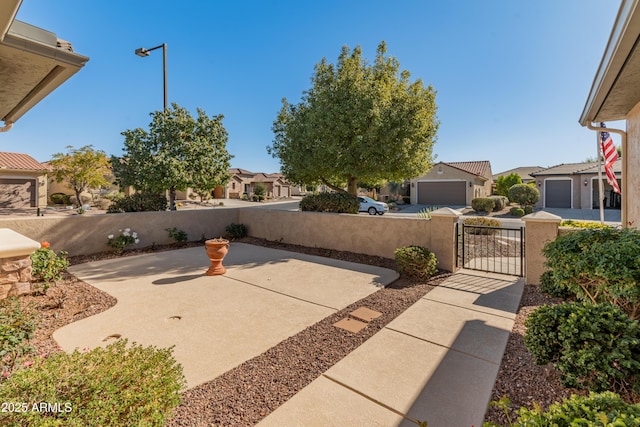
pixel 451 193
pixel 557 193
pixel 17 193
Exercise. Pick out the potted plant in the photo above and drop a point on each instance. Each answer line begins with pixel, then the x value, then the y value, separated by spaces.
pixel 216 250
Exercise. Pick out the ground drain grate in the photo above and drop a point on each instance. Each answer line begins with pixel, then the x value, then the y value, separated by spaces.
pixel 112 337
pixel 362 316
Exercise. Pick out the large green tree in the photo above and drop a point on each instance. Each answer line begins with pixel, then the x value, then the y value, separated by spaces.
pixel 82 168
pixel 176 152
pixel 358 122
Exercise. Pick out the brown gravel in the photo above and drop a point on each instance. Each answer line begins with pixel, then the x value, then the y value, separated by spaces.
pixel 249 392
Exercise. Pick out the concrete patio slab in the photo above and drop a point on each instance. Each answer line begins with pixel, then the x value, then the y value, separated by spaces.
pixel 216 323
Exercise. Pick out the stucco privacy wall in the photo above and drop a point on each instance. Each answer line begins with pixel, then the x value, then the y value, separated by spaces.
pixel 87 234
pixel 632 155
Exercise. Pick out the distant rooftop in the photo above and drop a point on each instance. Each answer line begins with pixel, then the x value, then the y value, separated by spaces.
pixel 19 161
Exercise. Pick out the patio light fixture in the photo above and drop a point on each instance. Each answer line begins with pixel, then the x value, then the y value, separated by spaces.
pixel 586 182
pixel 142 52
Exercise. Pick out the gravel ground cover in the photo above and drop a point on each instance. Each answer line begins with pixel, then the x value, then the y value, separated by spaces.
pixel 249 392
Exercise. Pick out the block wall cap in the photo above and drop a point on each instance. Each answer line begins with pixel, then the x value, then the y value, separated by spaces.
pixel 446 212
pixel 542 216
pixel 13 244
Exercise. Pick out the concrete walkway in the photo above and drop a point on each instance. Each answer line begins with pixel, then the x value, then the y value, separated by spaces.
pixel 216 323
pixel 436 362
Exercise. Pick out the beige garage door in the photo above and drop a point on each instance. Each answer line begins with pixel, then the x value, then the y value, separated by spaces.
pixel 17 193
pixel 449 193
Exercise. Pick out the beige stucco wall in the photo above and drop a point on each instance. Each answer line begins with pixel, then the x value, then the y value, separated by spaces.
pixel 632 171
pixel 541 227
pixel 87 234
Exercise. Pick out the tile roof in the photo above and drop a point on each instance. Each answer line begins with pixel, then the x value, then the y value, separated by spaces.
pixel 19 161
pixel 479 168
pixel 576 168
pixel 523 171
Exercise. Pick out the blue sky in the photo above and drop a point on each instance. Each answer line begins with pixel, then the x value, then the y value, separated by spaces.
pixel 512 76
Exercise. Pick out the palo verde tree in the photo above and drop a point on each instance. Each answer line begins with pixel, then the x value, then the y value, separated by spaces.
pixel 176 152
pixel 358 122
pixel 504 183
pixel 82 168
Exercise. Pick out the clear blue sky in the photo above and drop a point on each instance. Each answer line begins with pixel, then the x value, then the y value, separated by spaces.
pixel 512 76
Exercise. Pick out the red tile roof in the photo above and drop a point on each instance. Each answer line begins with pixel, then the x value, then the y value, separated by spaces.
pixel 19 161
pixel 479 168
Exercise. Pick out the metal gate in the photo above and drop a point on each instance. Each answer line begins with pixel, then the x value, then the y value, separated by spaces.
pixel 492 249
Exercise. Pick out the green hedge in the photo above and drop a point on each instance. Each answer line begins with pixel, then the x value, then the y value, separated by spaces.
pixel 524 195
pixel 119 385
pixel 482 204
pixel 499 202
pixel 594 346
pixel 515 211
pixel 416 261
pixel 482 222
pixel 139 202
pixel 330 202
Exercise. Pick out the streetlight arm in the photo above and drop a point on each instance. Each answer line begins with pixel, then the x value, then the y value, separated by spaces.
pixel 142 52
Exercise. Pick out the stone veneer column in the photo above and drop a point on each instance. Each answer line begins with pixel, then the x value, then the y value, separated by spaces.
pixel 443 237
pixel 15 263
pixel 540 227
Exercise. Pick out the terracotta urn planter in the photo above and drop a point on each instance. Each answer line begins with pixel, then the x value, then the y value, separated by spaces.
pixel 216 251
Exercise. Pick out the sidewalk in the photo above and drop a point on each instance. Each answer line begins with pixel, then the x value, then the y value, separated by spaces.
pixel 436 362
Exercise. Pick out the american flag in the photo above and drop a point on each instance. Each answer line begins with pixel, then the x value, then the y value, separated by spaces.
pixel 610 154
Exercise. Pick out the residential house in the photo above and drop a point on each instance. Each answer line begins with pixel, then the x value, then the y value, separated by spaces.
pixel 452 183
pixel 23 181
pixel 575 186
pixel 243 182
pixel 615 95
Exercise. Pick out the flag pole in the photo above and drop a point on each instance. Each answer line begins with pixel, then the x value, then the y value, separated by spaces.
pixel 600 183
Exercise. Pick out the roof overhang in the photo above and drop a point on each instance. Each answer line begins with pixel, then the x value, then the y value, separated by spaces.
pixel 32 64
pixel 615 90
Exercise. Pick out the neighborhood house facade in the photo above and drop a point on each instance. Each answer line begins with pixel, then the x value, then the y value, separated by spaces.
pixel 452 184
pixel 23 182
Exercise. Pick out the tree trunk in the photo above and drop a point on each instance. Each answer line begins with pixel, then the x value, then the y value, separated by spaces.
pixel 331 186
pixel 78 199
pixel 172 198
pixel 352 186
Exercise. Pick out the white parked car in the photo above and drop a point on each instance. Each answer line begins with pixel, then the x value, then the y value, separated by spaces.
pixel 367 204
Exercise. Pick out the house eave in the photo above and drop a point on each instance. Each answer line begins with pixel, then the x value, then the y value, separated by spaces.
pixel 613 92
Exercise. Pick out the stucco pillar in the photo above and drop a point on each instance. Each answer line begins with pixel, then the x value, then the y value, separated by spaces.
pixel 540 227
pixel 443 237
pixel 15 263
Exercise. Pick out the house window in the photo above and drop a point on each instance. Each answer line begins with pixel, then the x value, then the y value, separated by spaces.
pixel 233 185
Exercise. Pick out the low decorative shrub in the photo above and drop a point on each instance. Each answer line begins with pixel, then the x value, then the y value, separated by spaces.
pixel 528 210
pixel 330 202
pixel 515 211
pixel 595 410
pixel 583 224
pixel 245 196
pixel 235 231
pixel 416 261
pixel 499 202
pixel 482 204
pixel 85 199
pixel 60 198
pixel 17 325
pixel 476 225
pixel 118 385
pixel 598 265
pixel 425 213
pixel 123 240
pixel 48 266
pixel 139 202
pixel 548 285
pixel 524 195
pixel 179 236
pixel 594 346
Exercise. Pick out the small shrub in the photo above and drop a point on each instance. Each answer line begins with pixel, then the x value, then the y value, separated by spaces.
pixel 259 189
pixel 528 210
pixel 425 213
pixel 123 240
pixel 255 198
pixel 482 204
pixel 139 202
pixel 524 195
pixel 550 286
pixel 118 385
pixel 330 202
pixel 103 203
pixel 599 265
pixel 17 325
pixel 477 225
pixel 499 202
pixel 416 261
pixel 597 409
pixel 60 198
pixel 235 231
pixel 245 196
pixel 85 199
pixel 48 266
pixel 583 224
pixel 519 212
pixel 179 236
pixel 594 346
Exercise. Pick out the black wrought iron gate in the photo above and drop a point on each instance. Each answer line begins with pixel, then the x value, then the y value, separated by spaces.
pixel 493 249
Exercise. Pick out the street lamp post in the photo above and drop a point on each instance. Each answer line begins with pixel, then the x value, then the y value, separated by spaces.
pixel 142 52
